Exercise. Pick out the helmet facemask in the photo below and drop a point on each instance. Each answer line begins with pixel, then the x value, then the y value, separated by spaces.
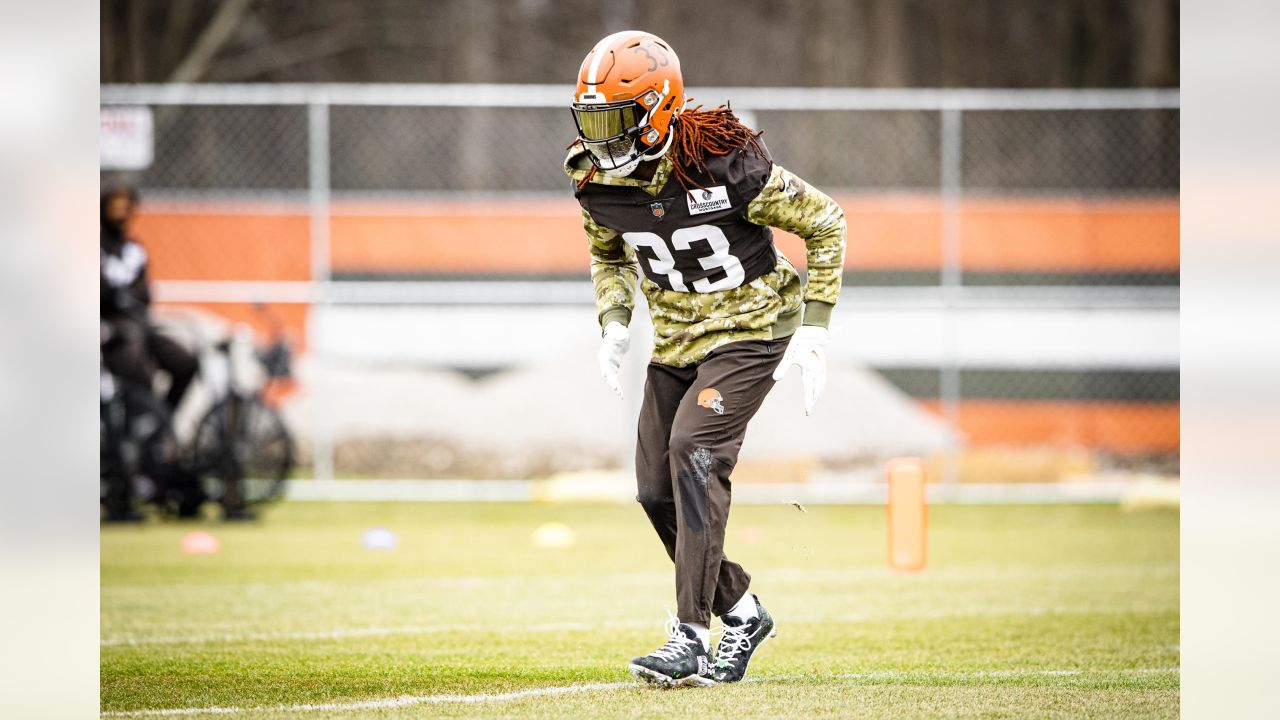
pixel 612 132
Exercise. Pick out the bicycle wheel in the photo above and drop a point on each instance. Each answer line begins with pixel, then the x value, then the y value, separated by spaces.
pixel 242 452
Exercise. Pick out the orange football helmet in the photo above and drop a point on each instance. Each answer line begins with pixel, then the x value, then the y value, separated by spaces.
pixel 629 93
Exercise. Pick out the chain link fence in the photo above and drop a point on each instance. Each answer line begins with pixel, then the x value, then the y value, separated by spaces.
pixel 1013 265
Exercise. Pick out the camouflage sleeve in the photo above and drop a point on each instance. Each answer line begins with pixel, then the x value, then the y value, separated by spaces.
pixel 613 272
pixel 789 203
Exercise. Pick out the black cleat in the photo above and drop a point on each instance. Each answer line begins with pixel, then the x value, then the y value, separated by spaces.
pixel 739 641
pixel 682 661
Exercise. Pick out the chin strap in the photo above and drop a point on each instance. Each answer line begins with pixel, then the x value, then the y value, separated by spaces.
pixel 624 170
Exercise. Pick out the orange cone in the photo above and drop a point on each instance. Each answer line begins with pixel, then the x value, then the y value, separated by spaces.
pixel 199 542
pixel 908 515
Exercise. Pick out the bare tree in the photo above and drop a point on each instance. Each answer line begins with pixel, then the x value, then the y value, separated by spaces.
pixel 870 43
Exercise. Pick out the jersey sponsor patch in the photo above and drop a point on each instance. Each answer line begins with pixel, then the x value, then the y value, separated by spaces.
pixel 708 200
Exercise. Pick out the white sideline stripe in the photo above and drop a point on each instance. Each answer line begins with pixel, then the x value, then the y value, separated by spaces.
pixel 864 573
pixel 344 633
pixel 410 700
pixel 977 674
pixel 382 704
pixel 850 618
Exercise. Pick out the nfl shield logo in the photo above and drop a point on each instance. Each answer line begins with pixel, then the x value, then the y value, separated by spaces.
pixel 657 210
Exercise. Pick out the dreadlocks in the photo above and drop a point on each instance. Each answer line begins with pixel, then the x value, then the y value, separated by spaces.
pixel 698 132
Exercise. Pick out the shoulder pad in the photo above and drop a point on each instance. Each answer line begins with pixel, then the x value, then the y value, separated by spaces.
pixel 576 163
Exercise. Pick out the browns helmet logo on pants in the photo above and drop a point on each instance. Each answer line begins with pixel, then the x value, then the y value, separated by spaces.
pixel 710 398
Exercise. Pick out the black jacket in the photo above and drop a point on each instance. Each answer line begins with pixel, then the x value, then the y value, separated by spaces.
pixel 122 272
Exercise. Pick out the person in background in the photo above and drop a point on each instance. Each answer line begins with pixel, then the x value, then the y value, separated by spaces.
pixel 133 346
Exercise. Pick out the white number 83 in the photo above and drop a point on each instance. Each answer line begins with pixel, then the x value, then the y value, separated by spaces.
pixel 664 263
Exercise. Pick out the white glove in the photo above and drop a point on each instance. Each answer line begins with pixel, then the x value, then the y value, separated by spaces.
pixel 613 345
pixel 806 349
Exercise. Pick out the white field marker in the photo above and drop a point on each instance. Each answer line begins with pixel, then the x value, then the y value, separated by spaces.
pixel 411 700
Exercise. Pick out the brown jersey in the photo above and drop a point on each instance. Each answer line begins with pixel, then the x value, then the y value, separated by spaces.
pixel 699 241
pixel 711 274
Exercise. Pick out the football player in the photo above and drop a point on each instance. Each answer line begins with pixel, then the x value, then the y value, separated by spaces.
pixel 687 196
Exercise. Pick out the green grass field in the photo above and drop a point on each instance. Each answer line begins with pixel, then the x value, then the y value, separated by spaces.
pixel 1061 611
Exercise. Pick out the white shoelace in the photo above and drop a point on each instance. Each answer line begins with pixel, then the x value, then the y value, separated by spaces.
pixel 675 643
pixel 733 640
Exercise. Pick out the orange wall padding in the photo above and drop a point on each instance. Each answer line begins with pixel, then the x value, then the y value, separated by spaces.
pixel 214 240
pixel 885 233
pixel 209 244
pixel 1070 235
pixel 1121 427
pixel 460 237
pixel 890 232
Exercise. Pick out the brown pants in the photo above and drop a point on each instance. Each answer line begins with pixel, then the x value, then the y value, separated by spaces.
pixel 691 427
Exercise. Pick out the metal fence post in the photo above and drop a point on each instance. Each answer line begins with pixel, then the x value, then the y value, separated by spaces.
pixel 318 195
pixel 951 278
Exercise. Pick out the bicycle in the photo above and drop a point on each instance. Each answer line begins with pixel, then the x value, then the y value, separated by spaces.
pixel 240 453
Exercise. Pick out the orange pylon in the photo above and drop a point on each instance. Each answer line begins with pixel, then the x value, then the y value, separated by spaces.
pixel 908 514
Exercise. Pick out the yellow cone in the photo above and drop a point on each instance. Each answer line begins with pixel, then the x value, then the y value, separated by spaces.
pixel 553 535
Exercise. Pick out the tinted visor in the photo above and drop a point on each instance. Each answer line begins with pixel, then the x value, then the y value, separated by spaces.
pixel 597 123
